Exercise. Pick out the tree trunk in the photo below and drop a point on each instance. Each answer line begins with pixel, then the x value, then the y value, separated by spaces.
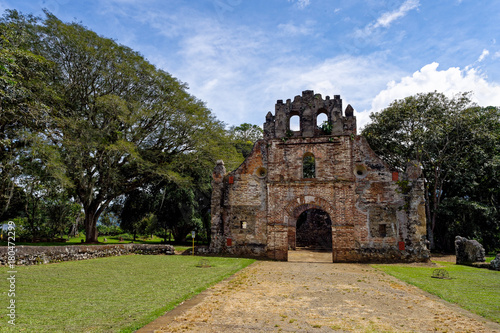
pixel 9 198
pixel 91 226
pixel 430 237
pixel 92 213
pixel 428 217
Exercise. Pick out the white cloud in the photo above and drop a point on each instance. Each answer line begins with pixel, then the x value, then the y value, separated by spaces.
pixel 386 19
pixel 301 3
pixel 496 55
pixel 291 29
pixel 241 73
pixel 483 55
pixel 343 75
pixel 451 81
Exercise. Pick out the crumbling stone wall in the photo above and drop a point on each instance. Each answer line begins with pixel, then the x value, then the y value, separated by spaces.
pixel 376 214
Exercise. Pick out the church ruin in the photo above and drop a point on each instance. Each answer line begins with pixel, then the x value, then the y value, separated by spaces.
pixel 319 187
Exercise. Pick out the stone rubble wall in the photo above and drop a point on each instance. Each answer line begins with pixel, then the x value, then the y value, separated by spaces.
pixel 33 255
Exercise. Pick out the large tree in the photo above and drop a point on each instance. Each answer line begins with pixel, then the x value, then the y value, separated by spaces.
pixel 23 93
pixel 114 122
pixel 470 204
pixel 442 134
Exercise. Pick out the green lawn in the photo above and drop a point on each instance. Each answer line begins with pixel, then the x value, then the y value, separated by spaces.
pixel 78 241
pixel 110 240
pixel 474 289
pixel 113 294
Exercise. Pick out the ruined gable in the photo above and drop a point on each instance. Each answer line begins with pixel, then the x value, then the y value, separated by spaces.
pixel 298 186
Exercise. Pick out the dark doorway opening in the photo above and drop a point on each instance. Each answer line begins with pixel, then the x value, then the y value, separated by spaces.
pixel 314 230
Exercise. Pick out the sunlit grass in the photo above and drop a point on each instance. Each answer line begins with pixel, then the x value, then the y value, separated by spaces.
pixel 114 294
pixel 474 289
pixel 120 239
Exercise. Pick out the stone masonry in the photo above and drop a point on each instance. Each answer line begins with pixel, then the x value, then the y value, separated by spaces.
pixel 376 213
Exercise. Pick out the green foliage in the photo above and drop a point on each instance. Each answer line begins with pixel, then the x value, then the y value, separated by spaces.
pixel 177 211
pixel 111 230
pixel 128 292
pixel 112 238
pixel 457 144
pixel 246 132
pixel 309 166
pixel 22 95
pixel 244 137
pixel 404 186
pixel 474 289
pixel 136 207
pixel 95 118
pixel 326 127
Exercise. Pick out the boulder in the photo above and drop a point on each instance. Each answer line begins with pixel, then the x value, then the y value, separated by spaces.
pixel 468 251
pixel 495 263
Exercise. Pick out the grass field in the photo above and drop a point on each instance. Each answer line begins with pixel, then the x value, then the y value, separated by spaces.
pixel 474 289
pixel 107 240
pixel 113 294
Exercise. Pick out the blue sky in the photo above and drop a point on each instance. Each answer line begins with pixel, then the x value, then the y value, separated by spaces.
pixel 240 56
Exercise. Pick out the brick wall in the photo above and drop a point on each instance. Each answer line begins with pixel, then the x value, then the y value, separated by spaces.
pixel 255 207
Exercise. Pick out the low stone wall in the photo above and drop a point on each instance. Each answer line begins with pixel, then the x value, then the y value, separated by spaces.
pixel 32 255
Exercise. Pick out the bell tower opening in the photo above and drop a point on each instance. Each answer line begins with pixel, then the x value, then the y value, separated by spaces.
pixel 294 123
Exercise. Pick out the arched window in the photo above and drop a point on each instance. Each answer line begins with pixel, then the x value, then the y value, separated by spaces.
pixel 294 123
pixel 308 166
pixel 320 119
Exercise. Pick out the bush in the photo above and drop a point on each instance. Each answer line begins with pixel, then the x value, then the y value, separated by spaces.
pixel 109 230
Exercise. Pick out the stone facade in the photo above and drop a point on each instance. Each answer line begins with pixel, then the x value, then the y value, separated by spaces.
pixel 375 214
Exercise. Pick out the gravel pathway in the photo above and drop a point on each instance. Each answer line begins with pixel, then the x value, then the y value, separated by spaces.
pixel 310 294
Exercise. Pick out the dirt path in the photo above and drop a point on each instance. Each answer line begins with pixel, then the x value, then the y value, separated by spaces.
pixel 306 296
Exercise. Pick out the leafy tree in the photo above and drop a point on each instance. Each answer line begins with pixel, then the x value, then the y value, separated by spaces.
pixel 441 134
pixel 471 198
pixel 114 122
pixel 244 136
pixel 22 94
pixel 136 207
pixel 177 211
pixel 61 213
pixel 16 205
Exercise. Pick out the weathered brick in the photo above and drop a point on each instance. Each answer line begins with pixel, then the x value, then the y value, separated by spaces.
pixel 370 213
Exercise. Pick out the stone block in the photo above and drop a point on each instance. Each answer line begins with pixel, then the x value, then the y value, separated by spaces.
pixel 495 263
pixel 468 251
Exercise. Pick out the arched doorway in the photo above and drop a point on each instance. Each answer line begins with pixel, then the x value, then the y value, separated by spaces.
pixel 312 230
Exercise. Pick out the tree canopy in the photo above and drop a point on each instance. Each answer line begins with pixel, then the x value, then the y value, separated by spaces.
pixel 244 137
pixel 458 145
pixel 106 122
